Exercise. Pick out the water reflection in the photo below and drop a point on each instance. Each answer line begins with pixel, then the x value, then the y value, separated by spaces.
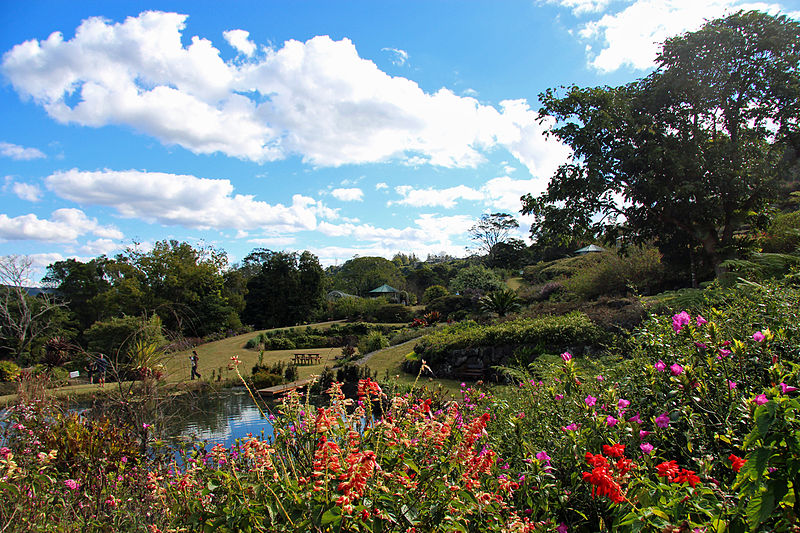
pixel 218 418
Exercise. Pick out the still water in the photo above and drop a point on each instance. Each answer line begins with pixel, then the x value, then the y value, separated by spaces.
pixel 218 418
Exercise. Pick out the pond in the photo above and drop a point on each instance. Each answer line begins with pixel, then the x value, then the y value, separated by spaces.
pixel 218 417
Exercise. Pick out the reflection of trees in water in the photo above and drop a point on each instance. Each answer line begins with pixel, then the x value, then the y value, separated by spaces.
pixel 210 415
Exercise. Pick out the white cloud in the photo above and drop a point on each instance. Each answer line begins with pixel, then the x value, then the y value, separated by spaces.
pixel 353 194
pixel 435 197
pixel 240 40
pixel 631 37
pixel 26 191
pixel 100 247
pixel 20 153
pixel 381 185
pixel 273 241
pixel 399 57
pixel 580 7
pixel 318 98
pixel 177 199
pixel 64 225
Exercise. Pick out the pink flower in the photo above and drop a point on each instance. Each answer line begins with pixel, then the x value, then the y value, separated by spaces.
pixel 660 366
pixel 786 388
pixel 646 447
pixel 72 484
pixel 571 427
pixel 566 356
pixel 635 419
pixel 758 336
pixel 590 401
pixel 643 434
pixel 562 528
pixel 723 352
pixel 611 421
pixel 559 396
pixel 761 399
pixel 701 320
pixel 676 369
pixel 600 378
pixel 663 420
pixel 543 457
pixel 680 320
pixel 623 404
pixel 731 384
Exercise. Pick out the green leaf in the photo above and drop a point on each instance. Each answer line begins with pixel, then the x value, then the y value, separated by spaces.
pixel 765 416
pixel 329 517
pixel 9 487
pixel 759 509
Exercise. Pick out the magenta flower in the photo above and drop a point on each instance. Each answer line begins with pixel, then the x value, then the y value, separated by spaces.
pixel 761 399
pixel 635 419
pixel 590 401
pixel 758 336
pixel 72 484
pixel 680 320
pixel 731 384
pixel 676 369
pixel 623 404
pixel 723 352
pixel 562 528
pixel 543 457
pixel 660 366
pixel 571 427
pixel 663 420
pixel 701 320
pixel 611 421
pixel 600 378
pixel 643 434
pixel 646 447
pixel 559 396
pixel 786 388
pixel 566 356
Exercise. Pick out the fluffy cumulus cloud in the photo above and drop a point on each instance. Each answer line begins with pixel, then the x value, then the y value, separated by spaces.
pixel 318 99
pixel 189 201
pixel 502 193
pixel 240 40
pixel 399 57
pixel 64 225
pixel 27 191
pixel 353 194
pixel 20 153
pixel 631 37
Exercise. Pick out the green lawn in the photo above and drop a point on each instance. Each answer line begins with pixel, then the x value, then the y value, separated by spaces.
pixel 389 360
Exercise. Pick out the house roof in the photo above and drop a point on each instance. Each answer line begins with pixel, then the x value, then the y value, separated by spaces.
pixel 590 248
pixel 383 289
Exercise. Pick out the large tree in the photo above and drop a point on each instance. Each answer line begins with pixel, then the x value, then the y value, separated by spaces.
pixel 362 274
pixel 491 230
pixel 687 154
pixel 284 288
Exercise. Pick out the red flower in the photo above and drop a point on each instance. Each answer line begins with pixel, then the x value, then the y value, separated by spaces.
pixel 596 460
pixel 616 450
pixel 736 462
pixel 687 476
pixel 668 469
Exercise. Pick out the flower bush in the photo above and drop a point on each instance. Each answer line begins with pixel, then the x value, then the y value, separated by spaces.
pixel 699 430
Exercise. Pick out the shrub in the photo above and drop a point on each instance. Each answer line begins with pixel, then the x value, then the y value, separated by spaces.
pixel 263 379
pixel 612 274
pixel 393 313
pixel 477 278
pixel 448 306
pixel 9 371
pixel 433 292
pixel 554 333
pixel 372 342
pixel 279 343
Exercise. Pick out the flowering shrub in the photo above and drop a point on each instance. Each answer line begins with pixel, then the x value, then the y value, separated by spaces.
pixel 698 431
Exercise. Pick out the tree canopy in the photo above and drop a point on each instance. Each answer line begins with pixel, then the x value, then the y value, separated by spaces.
pixel 687 155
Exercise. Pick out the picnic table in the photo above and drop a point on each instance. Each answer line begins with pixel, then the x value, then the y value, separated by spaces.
pixel 306 358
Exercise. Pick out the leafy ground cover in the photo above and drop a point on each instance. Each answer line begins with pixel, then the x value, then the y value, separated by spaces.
pixel 697 430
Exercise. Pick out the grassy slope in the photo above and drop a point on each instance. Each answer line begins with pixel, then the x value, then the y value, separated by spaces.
pixel 390 359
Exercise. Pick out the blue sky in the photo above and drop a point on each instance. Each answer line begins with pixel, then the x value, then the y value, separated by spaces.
pixel 343 128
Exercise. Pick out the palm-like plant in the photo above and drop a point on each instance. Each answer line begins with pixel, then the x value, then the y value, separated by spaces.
pixel 501 302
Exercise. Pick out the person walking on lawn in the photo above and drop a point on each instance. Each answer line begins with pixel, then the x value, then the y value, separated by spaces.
pixel 193 359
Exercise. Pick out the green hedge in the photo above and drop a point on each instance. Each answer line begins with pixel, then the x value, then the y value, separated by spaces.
pixel 554 333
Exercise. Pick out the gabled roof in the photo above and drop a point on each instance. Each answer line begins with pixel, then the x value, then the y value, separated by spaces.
pixel 383 289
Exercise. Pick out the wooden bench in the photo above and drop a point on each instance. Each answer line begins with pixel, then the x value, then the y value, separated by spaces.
pixel 306 358
pixel 471 373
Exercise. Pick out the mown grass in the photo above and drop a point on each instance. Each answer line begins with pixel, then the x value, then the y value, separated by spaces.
pixel 387 363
